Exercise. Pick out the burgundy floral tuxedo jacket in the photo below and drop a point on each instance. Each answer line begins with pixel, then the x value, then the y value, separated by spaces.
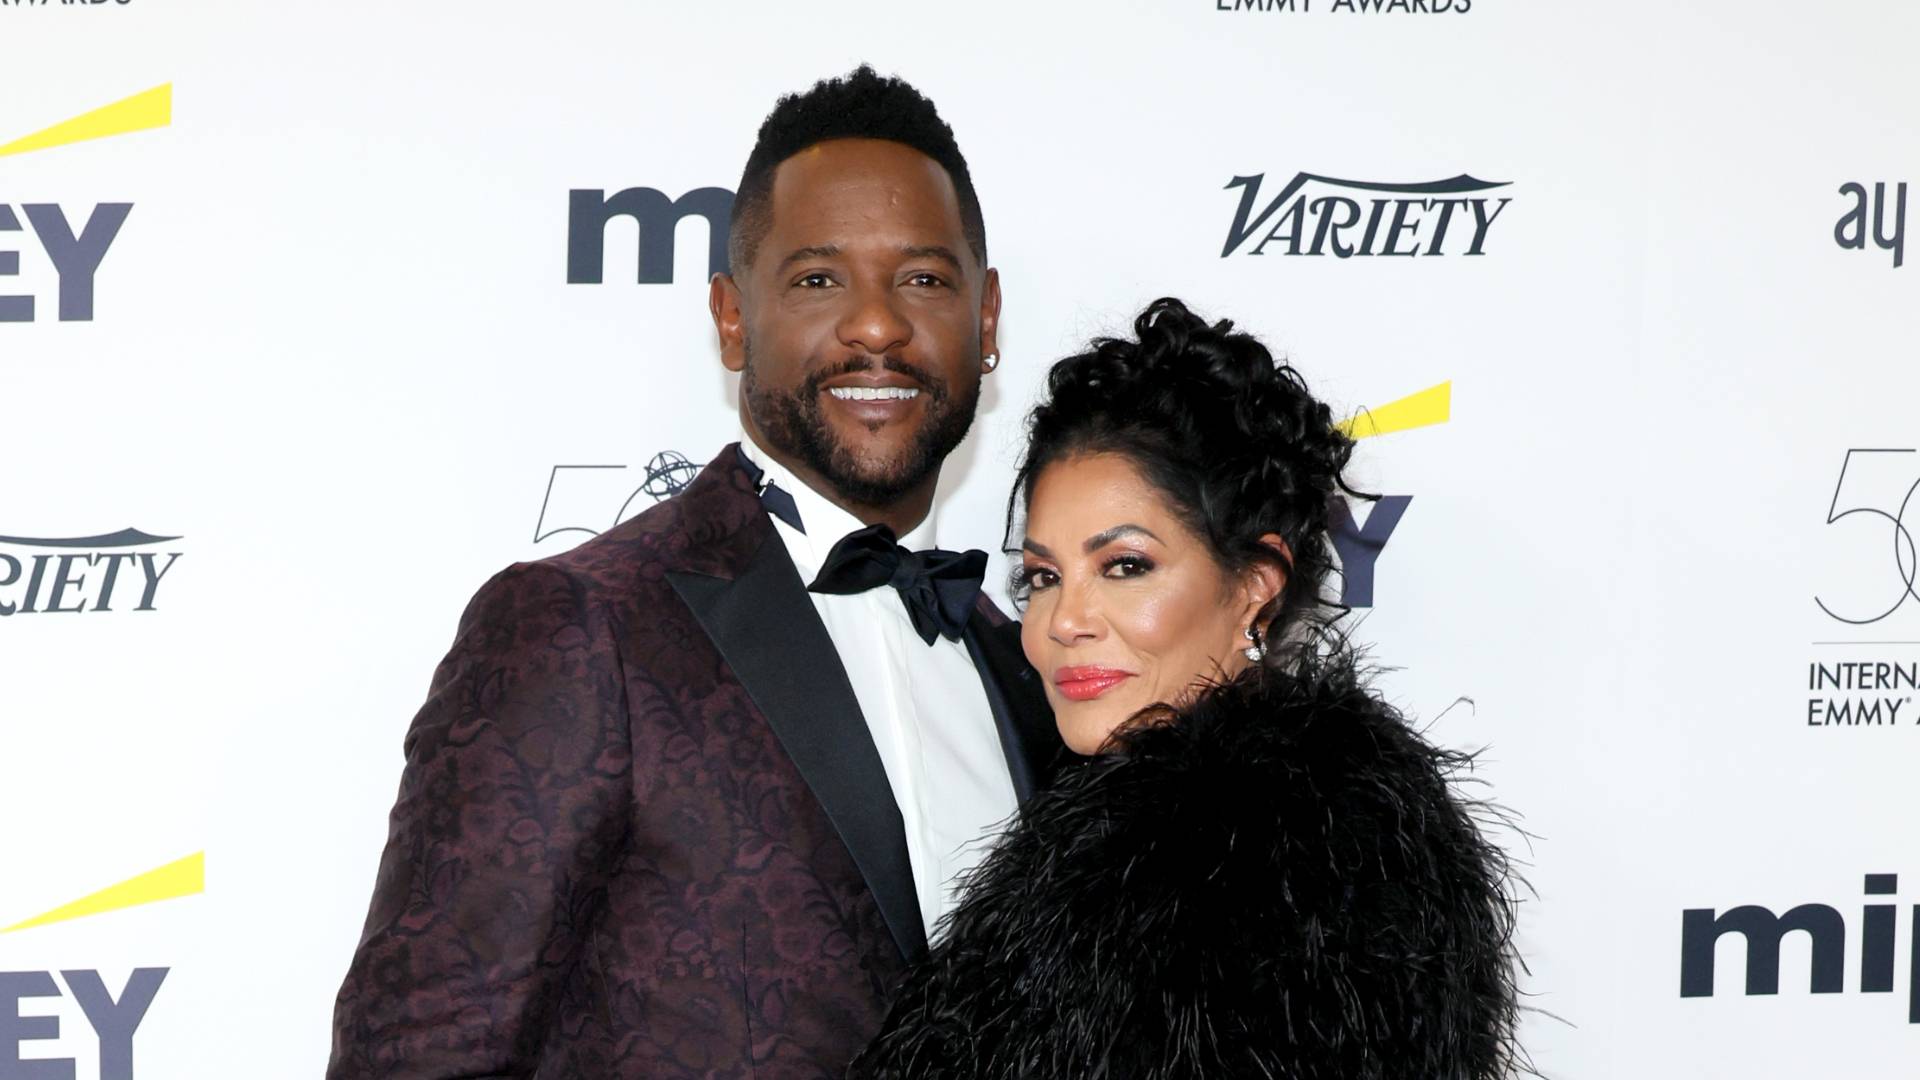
pixel 643 830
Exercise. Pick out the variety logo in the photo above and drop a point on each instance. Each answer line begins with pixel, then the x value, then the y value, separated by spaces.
pixel 1826 930
pixel 1873 580
pixel 64 3
pixel 589 210
pixel 1851 232
pixel 113 1017
pixel 83 574
pixel 75 256
pixel 1319 215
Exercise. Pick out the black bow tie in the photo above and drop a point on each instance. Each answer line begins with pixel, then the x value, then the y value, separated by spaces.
pixel 938 587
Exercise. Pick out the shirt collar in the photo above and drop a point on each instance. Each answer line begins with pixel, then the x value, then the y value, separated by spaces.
pixel 826 522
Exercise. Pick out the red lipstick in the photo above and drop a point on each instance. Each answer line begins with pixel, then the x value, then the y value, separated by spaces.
pixel 1087 683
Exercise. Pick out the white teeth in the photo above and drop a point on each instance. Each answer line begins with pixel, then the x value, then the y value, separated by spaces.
pixel 873 393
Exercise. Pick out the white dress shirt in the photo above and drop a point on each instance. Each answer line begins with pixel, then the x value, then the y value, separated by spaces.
pixel 924 704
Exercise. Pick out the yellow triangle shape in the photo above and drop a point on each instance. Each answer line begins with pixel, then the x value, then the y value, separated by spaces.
pixel 147 109
pixel 1434 405
pixel 183 877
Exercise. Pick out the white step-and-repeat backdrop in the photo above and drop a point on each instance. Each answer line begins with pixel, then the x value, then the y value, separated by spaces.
pixel 312 316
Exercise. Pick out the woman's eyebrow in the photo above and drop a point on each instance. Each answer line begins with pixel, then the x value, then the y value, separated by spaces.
pixel 1102 539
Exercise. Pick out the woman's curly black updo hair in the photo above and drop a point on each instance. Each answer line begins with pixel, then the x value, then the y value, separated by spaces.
pixel 1231 437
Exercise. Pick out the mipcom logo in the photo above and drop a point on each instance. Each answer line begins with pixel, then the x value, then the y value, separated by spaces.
pixel 72 257
pixel 114 1017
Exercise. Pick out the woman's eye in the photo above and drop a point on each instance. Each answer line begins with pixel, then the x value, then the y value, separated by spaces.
pixel 1126 566
pixel 1035 577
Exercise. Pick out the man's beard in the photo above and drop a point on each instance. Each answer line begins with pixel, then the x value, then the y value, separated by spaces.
pixel 793 424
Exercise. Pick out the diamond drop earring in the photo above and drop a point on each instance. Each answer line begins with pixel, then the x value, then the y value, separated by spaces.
pixel 1254 652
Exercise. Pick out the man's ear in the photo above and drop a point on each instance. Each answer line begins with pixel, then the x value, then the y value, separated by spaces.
pixel 1266 579
pixel 723 300
pixel 990 318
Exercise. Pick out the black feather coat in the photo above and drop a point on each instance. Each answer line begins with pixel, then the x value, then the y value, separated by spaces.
pixel 1279 882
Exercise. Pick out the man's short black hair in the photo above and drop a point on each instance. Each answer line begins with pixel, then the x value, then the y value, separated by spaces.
pixel 860 105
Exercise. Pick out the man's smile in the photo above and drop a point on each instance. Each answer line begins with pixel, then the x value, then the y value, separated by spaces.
pixel 873 393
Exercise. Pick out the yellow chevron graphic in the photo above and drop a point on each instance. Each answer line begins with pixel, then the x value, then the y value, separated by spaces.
pixel 147 109
pixel 184 877
pixel 1434 405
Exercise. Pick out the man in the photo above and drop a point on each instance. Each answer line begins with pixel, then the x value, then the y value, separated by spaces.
pixel 685 800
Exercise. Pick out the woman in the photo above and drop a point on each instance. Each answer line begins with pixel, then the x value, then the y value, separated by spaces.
pixel 1259 870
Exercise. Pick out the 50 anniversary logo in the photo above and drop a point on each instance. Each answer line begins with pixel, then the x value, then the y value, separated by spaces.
pixel 1872 682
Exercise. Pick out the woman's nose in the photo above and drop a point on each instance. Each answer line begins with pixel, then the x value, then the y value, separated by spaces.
pixel 1074 619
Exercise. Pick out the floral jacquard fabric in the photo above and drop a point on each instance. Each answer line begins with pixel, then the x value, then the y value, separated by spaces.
pixel 601 862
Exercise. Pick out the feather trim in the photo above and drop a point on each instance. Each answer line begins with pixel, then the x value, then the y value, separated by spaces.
pixel 1277 881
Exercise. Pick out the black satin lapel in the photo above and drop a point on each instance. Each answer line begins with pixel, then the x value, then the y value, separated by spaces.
pixel 1020 711
pixel 770 635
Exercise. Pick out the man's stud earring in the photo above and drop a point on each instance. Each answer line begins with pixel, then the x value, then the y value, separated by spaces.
pixel 1254 652
pixel 991 360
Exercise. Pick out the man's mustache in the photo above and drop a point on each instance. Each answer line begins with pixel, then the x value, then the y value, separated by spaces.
pixel 934 386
